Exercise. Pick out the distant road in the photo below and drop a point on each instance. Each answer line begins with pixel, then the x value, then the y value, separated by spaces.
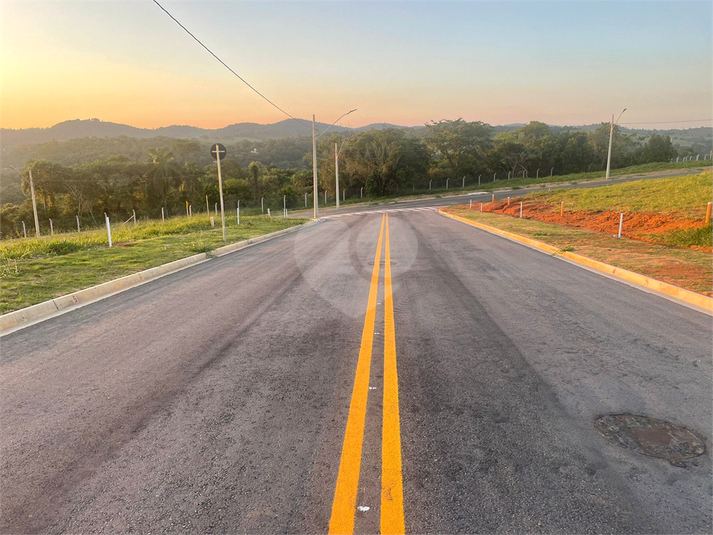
pixel 216 399
pixel 502 194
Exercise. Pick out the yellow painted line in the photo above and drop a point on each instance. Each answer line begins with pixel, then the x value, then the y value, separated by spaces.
pixel 392 496
pixel 688 296
pixel 345 494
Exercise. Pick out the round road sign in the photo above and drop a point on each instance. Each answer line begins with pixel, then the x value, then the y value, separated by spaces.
pixel 217 150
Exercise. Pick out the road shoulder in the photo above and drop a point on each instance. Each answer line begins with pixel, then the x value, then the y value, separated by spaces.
pixel 682 295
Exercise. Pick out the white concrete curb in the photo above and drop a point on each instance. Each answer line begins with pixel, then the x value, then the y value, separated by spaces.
pixel 13 321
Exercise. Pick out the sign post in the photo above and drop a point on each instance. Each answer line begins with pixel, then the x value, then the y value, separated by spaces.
pixel 218 152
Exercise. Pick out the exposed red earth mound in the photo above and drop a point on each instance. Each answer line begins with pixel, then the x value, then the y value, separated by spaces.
pixel 638 225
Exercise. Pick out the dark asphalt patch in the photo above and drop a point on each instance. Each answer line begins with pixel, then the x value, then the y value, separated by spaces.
pixel 648 436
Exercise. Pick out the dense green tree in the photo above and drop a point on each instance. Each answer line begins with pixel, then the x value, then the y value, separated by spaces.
pixel 254 179
pixel 383 160
pixel 185 150
pixel 623 146
pixel 457 146
pixel 577 154
pixel 48 179
pixel 165 174
pixel 514 156
pixel 658 149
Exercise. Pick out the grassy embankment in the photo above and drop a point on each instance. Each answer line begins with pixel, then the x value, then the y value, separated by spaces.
pixel 35 270
pixel 518 183
pixel 672 242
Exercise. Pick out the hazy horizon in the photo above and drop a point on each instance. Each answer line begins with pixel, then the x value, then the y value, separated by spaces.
pixel 643 127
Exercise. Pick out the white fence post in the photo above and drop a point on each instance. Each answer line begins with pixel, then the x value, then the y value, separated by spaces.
pixel 108 228
pixel 621 222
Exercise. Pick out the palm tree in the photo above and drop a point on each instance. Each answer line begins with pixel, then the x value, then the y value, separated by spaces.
pixel 165 173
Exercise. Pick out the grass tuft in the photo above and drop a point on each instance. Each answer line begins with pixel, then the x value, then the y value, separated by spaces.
pixel 694 237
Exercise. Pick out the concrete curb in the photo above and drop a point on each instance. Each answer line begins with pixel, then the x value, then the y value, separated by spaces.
pixel 42 311
pixel 669 290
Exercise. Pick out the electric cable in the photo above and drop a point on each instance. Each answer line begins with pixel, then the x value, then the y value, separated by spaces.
pixel 227 67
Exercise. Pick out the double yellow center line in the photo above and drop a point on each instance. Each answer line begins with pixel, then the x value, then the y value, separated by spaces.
pixel 345 495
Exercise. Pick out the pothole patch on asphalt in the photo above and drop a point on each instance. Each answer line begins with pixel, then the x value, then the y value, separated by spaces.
pixel 648 436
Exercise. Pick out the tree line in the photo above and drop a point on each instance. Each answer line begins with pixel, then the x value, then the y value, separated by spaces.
pixel 372 163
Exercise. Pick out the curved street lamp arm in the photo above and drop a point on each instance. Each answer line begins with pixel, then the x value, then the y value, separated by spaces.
pixel 622 113
pixel 335 122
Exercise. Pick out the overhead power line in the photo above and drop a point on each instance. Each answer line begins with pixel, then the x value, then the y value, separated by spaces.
pixel 669 122
pixel 227 67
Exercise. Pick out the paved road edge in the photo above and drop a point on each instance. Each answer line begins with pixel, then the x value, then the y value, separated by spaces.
pixel 41 311
pixel 664 288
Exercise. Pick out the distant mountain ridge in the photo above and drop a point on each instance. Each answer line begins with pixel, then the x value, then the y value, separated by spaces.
pixel 95 128
pixel 80 128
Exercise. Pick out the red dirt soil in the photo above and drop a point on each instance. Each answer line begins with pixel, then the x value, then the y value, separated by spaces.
pixel 638 225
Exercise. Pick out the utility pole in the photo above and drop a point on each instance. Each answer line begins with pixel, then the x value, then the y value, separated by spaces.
pixel 314 170
pixel 314 162
pixel 611 137
pixel 336 170
pixel 220 189
pixel 218 152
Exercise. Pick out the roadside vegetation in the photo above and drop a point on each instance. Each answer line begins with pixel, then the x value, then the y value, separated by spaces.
pixel 679 197
pixel 664 233
pixel 521 183
pixel 83 179
pixel 35 270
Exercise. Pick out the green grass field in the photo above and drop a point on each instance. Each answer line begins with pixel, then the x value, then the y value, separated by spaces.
pixel 666 256
pixel 685 196
pixel 35 270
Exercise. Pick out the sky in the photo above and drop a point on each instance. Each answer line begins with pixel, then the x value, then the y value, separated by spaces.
pixel 407 63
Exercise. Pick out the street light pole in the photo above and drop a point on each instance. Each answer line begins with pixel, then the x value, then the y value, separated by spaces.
pixel 611 137
pixel 336 170
pixel 337 152
pixel 314 160
pixel 34 201
pixel 314 171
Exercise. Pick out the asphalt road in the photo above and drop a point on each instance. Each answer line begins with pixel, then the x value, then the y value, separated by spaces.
pixel 462 198
pixel 216 399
